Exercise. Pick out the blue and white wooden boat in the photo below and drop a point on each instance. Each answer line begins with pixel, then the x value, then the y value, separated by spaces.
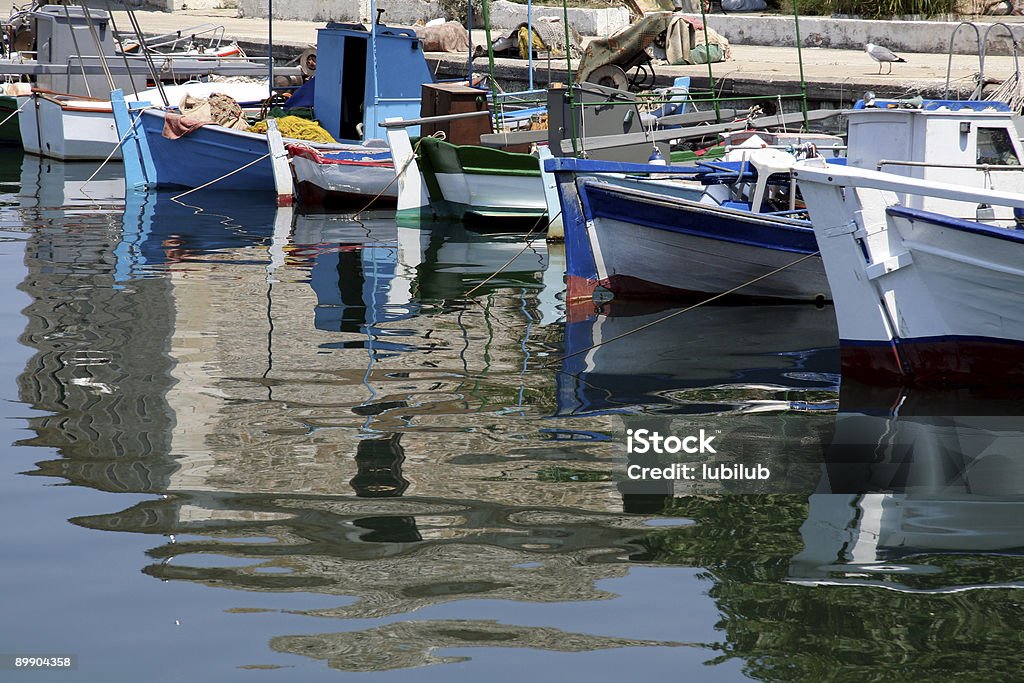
pixel 376 72
pixel 648 243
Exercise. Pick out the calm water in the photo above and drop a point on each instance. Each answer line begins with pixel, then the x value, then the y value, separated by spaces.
pixel 246 445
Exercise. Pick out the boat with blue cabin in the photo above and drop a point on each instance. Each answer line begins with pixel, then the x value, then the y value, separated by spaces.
pixel 366 74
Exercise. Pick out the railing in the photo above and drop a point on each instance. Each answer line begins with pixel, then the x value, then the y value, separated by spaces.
pixel 406 123
pixel 933 164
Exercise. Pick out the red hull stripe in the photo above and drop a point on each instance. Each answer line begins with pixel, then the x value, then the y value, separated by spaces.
pixel 938 361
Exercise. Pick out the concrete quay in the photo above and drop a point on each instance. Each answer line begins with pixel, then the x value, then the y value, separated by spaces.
pixel 834 77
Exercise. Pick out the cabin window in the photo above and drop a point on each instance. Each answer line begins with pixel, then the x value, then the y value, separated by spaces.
pixel 995 147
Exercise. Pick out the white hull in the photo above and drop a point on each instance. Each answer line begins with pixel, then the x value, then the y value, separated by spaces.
pixel 63 127
pixel 346 180
pixel 647 261
pixel 918 294
pixel 70 133
pixel 485 194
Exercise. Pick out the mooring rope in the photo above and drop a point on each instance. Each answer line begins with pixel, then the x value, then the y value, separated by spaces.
pixel 526 246
pixel 15 112
pixel 440 135
pixel 116 147
pixel 684 310
pixel 217 180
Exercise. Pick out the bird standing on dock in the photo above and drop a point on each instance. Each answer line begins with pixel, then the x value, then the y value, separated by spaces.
pixel 882 55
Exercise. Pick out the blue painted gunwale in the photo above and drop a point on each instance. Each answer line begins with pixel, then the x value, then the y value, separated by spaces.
pixel 686 217
pixel 943 221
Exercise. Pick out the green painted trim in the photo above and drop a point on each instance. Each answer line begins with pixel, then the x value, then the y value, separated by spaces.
pixel 521 172
pixel 444 157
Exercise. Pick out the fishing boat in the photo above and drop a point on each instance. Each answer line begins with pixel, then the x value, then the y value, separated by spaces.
pixel 77 127
pixel 474 182
pixel 348 106
pixel 646 243
pixel 921 296
pixel 924 260
pixel 63 57
pixel 326 178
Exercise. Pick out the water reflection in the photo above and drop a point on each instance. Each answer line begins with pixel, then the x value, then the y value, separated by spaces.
pixel 675 356
pixel 321 406
pixel 414 644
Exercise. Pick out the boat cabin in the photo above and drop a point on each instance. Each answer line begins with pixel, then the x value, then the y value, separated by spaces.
pixel 969 143
pixel 365 76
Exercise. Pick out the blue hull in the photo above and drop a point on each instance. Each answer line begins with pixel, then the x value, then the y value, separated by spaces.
pixel 636 243
pixel 204 155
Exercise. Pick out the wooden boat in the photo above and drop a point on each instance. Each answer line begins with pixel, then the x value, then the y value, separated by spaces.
pixel 76 128
pixel 348 106
pixel 470 181
pixel 927 273
pixel 70 121
pixel 644 243
pixel 922 297
pixel 327 178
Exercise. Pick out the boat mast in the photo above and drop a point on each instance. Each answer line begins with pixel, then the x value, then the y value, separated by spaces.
pixel 96 41
pixel 529 32
pixel 146 54
pixel 373 47
pixel 78 50
pixel 569 78
pixel 270 47
pixel 120 41
pixel 800 61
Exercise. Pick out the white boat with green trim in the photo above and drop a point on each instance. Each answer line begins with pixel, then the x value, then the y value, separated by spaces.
pixel 471 181
pixel 466 182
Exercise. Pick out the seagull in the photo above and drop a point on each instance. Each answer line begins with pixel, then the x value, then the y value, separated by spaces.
pixel 882 55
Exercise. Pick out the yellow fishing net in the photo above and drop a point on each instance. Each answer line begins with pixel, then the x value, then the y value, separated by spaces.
pixel 296 127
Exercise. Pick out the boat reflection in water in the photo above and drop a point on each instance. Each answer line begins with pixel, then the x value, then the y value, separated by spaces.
pixel 903 560
pixel 787 347
pixel 914 480
pixel 315 405
pixel 327 413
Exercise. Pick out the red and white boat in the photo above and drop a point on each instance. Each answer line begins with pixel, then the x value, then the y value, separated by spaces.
pixel 364 175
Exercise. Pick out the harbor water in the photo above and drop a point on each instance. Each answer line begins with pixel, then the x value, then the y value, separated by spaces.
pixel 247 443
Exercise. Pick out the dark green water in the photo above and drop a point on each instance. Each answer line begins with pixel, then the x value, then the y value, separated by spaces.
pixel 247 445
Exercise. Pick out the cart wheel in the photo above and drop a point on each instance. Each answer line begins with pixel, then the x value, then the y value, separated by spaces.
pixel 642 78
pixel 307 62
pixel 609 76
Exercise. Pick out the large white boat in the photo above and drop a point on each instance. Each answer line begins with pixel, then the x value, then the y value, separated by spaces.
pixel 926 263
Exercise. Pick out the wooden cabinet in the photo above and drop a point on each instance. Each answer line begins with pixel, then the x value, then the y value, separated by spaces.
pixel 452 98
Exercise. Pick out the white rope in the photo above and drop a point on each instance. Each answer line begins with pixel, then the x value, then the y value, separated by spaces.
pixel 217 180
pixel 684 310
pixel 116 147
pixel 529 244
pixel 440 135
pixel 15 112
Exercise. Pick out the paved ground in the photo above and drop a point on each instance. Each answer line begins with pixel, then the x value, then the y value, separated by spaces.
pixel 754 70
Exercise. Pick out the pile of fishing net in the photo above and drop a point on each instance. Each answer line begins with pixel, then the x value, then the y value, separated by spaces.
pixel 217 108
pixel 296 127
